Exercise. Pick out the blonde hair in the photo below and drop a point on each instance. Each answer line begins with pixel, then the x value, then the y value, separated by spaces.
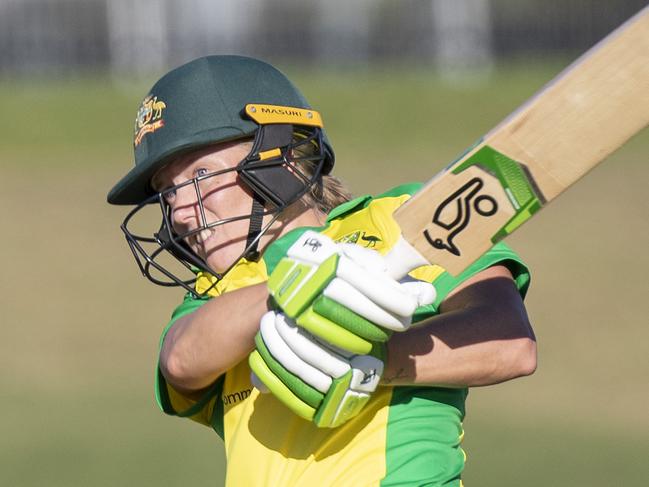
pixel 327 192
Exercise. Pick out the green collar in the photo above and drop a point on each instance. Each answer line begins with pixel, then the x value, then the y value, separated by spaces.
pixel 348 207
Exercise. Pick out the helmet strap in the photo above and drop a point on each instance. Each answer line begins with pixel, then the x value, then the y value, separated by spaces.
pixel 254 228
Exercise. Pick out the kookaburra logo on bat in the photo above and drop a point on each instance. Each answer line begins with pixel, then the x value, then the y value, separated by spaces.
pixel 453 214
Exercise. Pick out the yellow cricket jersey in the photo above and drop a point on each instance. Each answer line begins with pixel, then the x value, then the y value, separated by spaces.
pixel 405 436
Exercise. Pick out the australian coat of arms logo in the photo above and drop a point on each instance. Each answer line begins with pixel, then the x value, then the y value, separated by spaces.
pixel 149 117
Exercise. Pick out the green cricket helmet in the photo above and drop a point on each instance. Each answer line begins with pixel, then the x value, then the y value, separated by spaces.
pixel 209 101
pixel 199 104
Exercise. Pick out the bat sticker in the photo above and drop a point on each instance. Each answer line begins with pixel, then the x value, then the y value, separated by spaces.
pixel 458 207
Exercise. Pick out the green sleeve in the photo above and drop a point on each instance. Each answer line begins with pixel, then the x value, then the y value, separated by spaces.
pixel 189 305
pixel 499 254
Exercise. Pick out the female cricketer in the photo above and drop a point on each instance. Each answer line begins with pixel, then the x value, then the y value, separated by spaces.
pixel 292 343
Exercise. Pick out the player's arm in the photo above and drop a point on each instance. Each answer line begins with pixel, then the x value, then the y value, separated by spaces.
pixel 482 336
pixel 202 345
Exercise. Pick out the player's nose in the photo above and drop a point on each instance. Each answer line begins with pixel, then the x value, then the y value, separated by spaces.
pixel 185 205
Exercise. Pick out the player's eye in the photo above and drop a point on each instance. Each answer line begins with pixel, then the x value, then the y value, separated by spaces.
pixel 169 195
pixel 201 171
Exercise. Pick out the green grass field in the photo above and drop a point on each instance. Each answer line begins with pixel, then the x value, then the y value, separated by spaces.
pixel 80 328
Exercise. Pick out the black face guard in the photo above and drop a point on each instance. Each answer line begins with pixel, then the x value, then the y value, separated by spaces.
pixel 274 172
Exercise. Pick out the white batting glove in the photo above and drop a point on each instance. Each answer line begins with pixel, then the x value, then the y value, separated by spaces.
pixel 349 275
pixel 317 382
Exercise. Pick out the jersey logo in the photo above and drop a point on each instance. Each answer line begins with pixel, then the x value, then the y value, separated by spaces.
pixel 235 397
pixel 361 238
pixel 149 117
pixel 370 240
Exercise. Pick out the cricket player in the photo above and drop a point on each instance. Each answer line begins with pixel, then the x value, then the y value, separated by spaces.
pixel 292 342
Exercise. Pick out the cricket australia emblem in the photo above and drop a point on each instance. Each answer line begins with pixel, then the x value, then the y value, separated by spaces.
pixel 149 118
pixel 361 238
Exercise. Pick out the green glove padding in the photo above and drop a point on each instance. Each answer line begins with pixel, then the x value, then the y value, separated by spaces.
pixel 294 286
pixel 349 320
pixel 332 333
pixel 278 388
pixel 300 388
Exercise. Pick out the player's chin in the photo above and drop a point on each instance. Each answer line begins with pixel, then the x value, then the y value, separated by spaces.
pixel 221 256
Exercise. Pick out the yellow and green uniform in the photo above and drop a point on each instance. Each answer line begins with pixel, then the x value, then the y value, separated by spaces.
pixel 404 436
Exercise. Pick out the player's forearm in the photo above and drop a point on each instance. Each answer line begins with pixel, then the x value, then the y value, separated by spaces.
pixel 203 345
pixel 464 348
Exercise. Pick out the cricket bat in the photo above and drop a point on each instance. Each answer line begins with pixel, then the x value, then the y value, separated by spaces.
pixel 572 124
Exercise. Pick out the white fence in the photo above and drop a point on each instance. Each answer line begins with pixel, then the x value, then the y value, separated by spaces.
pixel 138 36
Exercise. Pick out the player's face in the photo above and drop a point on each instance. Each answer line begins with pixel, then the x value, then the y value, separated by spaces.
pixel 222 197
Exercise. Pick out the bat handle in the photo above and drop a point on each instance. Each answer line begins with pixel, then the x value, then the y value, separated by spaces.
pixel 403 258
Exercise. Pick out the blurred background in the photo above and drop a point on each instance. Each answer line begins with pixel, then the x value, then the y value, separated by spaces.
pixel 403 87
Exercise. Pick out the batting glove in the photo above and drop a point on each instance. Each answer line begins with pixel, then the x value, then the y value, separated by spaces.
pixel 346 308
pixel 320 282
pixel 317 382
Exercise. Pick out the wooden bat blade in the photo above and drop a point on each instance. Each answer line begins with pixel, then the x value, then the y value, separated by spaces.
pixel 588 111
